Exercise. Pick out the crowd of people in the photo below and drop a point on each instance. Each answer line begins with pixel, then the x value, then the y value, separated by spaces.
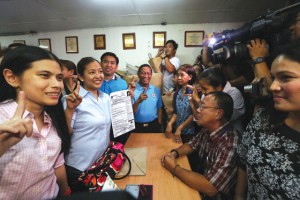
pixel 55 120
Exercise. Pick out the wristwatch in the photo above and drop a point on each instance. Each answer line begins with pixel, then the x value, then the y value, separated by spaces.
pixel 258 60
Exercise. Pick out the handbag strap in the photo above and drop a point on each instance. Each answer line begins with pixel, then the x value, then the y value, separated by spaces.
pixel 129 168
pixel 115 151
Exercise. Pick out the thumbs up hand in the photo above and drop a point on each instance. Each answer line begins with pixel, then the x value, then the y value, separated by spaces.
pixel 143 96
pixel 14 130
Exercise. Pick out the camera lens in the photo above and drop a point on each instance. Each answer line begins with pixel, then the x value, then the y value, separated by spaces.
pixel 240 51
pixel 217 58
pixel 248 89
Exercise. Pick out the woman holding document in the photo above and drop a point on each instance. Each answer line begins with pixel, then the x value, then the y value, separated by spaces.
pixel 87 111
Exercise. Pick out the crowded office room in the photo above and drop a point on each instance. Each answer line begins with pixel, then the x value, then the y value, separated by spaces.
pixel 221 80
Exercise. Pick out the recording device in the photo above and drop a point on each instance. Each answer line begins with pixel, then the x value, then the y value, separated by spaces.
pixel 188 90
pixel 258 88
pixel 234 42
pixel 140 192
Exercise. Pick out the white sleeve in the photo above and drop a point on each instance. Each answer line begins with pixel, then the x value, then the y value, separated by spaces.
pixel 176 62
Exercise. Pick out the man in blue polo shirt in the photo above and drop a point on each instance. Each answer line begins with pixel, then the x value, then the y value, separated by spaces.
pixel 147 103
pixel 112 82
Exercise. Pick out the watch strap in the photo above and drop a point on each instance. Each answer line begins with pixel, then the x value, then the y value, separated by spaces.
pixel 258 60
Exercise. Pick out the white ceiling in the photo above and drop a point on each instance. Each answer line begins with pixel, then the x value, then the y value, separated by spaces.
pixel 56 15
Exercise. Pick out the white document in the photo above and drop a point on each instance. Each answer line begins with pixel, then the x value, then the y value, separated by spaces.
pixel 121 112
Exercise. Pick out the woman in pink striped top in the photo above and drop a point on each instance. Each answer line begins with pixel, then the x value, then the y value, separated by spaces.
pixel 32 167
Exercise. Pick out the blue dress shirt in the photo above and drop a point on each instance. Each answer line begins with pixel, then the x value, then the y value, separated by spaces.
pixel 91 124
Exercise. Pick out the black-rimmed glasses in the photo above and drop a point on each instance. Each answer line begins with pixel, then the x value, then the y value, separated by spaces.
pixel 201 107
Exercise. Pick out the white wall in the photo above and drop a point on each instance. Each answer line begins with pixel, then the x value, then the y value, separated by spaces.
pixel 114 44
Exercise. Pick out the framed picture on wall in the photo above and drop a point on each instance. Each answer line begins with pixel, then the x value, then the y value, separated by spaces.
pixel 193 38
pixel 19 41
pixel 45 43
pixel 72 44
pixel 99 42
pixel 159 39
pixel 128 40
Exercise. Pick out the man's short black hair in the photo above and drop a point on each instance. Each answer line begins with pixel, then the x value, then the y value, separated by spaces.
pixel 142 66
pixel 214 77
pixel 110 54
pixel 224 102
pixel 174 43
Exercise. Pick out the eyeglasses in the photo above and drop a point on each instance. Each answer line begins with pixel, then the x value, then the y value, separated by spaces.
pixel 201 107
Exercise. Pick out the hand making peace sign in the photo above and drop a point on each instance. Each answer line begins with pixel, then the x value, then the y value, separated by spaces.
pixel 74 99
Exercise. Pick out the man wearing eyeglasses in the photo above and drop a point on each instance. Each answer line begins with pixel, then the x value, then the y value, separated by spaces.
pixel 215 144
pixel 112 82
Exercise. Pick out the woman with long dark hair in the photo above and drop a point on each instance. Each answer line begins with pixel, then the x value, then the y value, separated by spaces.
pixel 33 168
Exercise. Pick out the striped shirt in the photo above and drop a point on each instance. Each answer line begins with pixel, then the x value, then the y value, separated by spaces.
pixel 27 168
pixel 217 150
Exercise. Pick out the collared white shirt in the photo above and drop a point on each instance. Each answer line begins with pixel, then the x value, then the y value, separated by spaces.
pixel 91 123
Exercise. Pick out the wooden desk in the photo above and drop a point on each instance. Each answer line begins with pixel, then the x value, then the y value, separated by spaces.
pixel 165 186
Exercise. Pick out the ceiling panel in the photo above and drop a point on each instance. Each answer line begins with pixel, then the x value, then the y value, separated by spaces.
pixel 171 6
pixel 57 15
pixel 48 26
pixel 18 11
pixel 90 8
pixel 108 21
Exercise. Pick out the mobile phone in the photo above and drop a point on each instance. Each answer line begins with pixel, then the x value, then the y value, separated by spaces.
pixel 188 90
pixel 140 192
pixel 134 190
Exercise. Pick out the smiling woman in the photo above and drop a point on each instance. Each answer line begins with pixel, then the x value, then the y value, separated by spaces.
pixel 270 146
pixel 87 111
pixel 33 77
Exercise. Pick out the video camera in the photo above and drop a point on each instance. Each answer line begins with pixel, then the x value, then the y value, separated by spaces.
pixel 234 42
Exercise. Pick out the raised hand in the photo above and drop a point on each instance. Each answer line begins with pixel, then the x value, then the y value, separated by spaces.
pixel 74 99
pixel 205 40
pixel 258 48
pixel 132 86
pixel 14 130
pixel 160 51
pixel 194 97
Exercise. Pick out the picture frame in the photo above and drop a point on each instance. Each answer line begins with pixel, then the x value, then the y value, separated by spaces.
pixel 193 38
pixel 72 44
pixel 99 42
pixel 159 39
pixel 45 43
pixel 128 41
pixel 19 41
